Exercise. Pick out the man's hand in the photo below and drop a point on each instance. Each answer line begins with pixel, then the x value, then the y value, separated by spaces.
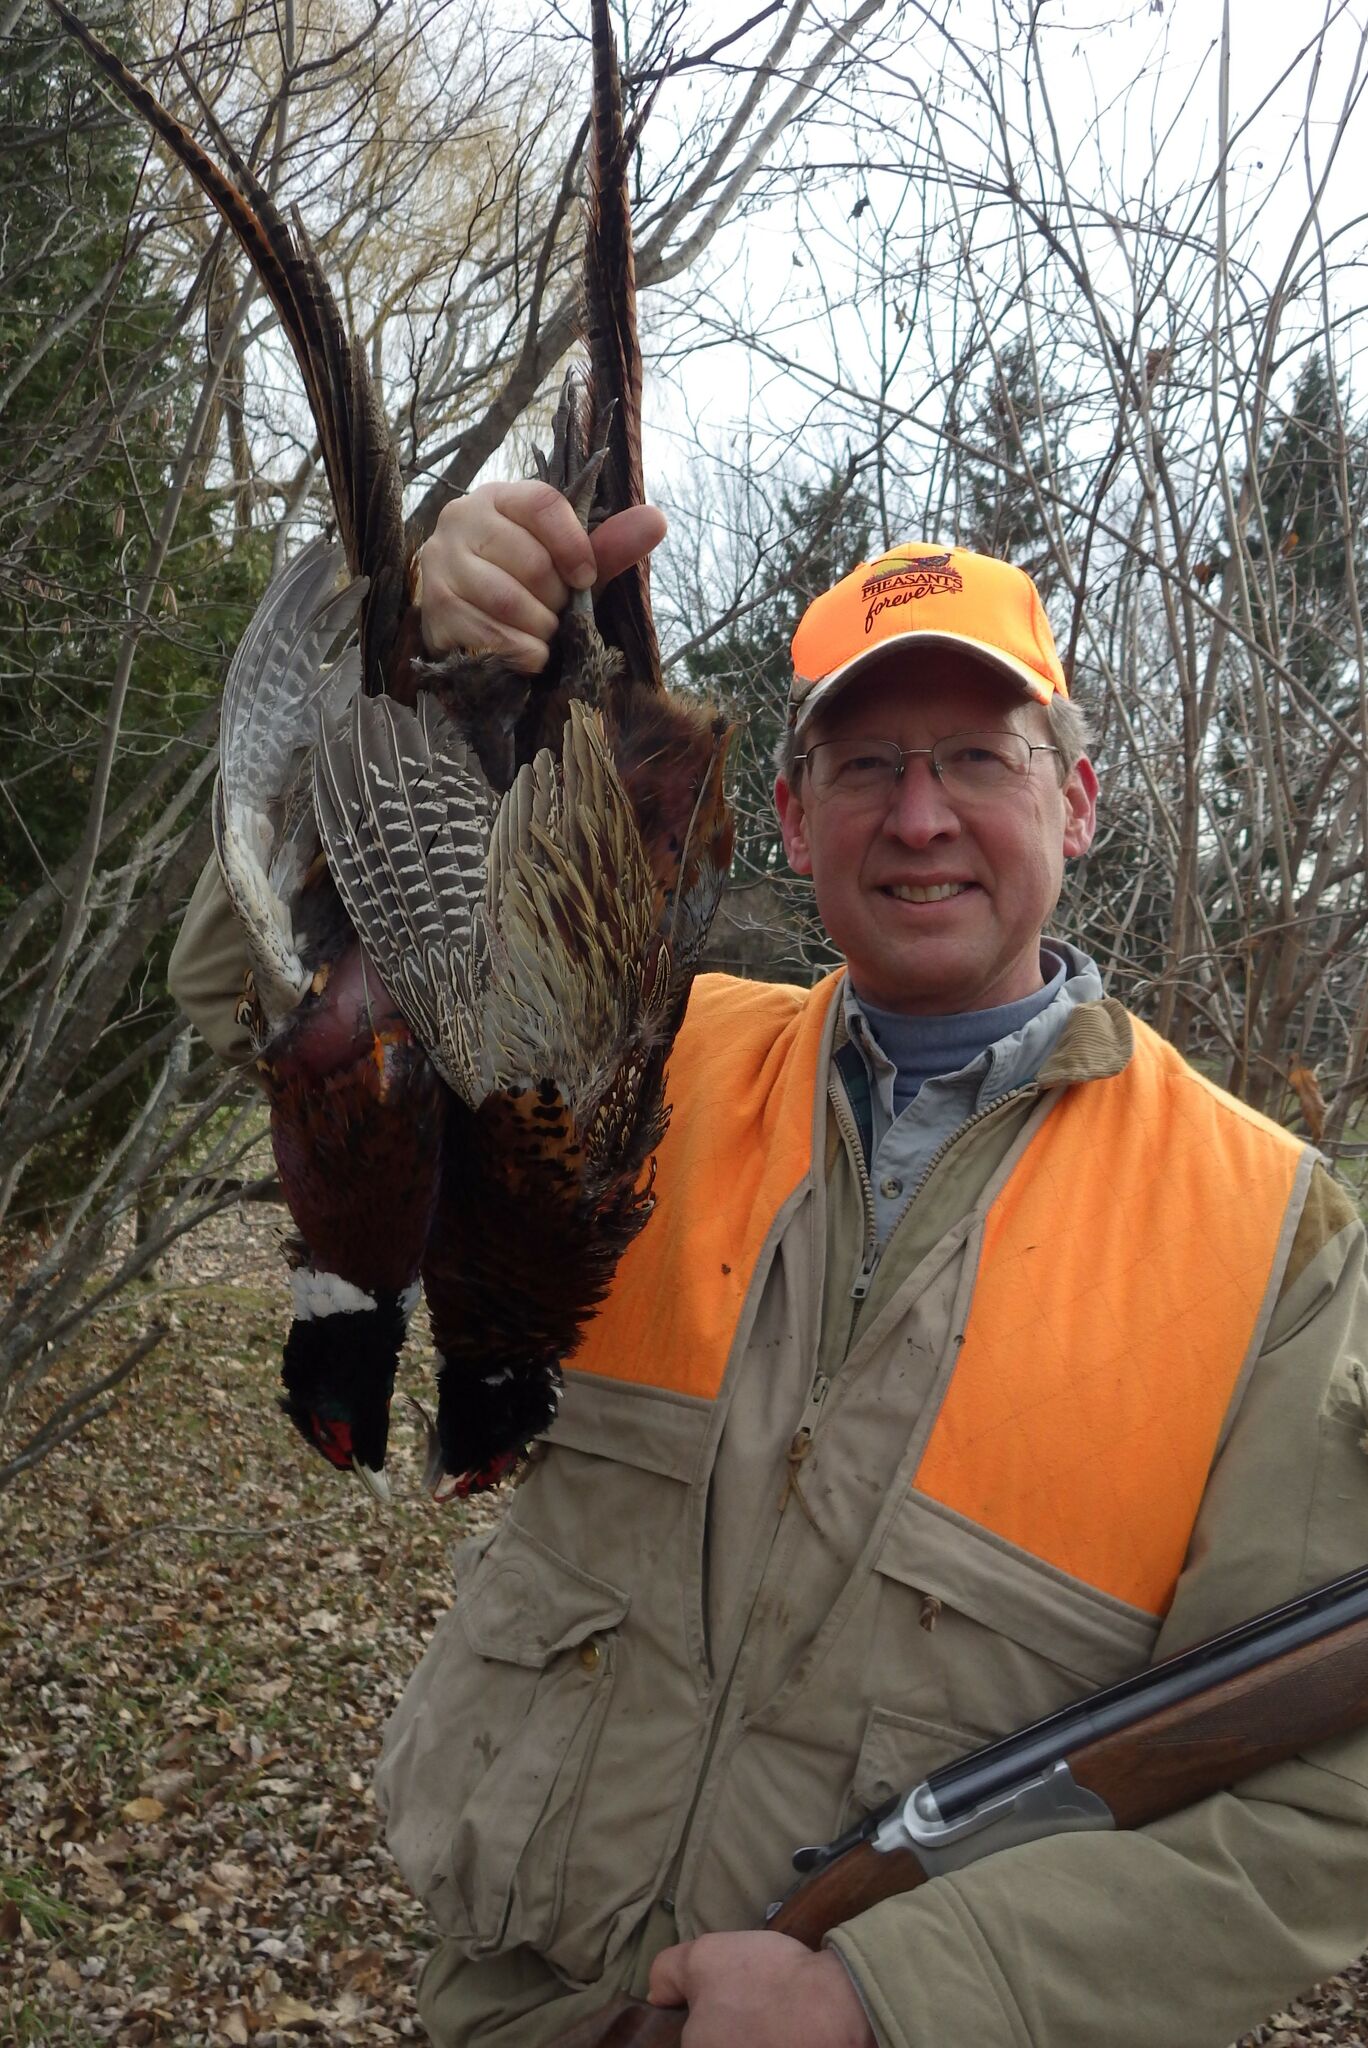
pixel 760 1991
pixel 501 563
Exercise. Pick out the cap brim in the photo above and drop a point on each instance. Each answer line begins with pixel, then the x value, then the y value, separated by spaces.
pixel 1027 680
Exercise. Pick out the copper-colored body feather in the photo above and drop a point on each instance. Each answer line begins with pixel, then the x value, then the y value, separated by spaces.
pixel 377 1121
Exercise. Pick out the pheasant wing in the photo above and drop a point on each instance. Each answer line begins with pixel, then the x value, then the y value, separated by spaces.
pixel 264 831
pixel 569 906
pixel 571 1045
pixel 406 816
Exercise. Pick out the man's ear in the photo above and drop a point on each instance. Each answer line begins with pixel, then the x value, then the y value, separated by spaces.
pixel 792 825
pixel 1080 807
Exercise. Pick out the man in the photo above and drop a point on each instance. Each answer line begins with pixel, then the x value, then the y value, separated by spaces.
pixel 977 1353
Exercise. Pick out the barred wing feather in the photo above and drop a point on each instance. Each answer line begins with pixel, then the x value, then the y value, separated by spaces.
pixel 265 834
pixel 516 935
pixel 406 815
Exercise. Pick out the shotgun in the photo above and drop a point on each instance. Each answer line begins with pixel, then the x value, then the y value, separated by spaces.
pixel 1195 1724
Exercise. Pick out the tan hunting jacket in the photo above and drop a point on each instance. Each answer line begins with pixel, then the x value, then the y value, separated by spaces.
pixel 712 1629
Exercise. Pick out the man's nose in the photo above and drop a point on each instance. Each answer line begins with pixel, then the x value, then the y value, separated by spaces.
pixel 920 810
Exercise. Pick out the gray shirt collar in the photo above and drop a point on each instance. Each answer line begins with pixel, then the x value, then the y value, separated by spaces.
pixel 904 1145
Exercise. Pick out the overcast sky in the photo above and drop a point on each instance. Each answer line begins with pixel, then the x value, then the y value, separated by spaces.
pixel 1117 76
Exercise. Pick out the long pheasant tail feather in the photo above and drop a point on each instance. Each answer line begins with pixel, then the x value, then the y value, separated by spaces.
pixel 623 611
pixel 363 473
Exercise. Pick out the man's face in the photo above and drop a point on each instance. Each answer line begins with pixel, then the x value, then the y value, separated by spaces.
pixel 1002 856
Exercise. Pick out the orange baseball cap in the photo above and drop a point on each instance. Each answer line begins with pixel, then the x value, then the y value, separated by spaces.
pixel 919 595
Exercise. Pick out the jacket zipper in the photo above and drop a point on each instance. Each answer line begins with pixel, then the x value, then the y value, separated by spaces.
pixel 799 1443
pixel 802 1436
pixel 873 1250
pixel 845 1124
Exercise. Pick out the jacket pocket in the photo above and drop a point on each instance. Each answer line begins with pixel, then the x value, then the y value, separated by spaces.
pixel 485 1758
pixel 897 1752
pixel 611 1490
pixel 1001 1638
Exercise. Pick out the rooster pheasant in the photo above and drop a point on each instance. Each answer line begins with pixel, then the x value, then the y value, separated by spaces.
pixel 479 983
pixel 356 1109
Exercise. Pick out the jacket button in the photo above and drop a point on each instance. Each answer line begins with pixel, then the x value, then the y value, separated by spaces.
pixel 590 1656
pixel 890 1187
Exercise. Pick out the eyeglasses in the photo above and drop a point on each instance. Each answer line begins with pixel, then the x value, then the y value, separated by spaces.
pixel 972 766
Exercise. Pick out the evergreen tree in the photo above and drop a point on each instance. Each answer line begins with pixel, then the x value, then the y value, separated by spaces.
pixel 1307 535
pixel 1000 513
pixel 828 528
pixel 1299 538
pixel 97 378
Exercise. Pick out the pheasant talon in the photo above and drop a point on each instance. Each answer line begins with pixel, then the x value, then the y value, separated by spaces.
pixel 433 1469
pixel 580 489
pixel 568 435
pixel 375 1482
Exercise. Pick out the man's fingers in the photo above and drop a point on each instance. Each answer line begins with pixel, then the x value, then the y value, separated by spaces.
pixel 626 538
pixel 520 554
pixel 577 556
pixel 487 583
pixel 542 512
pixel 499 567
pixel 760 1990
pixel 450 621
pixel 666 1985
pixel 504 600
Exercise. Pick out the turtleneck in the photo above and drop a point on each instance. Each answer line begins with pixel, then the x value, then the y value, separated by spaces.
pixel 921 1048
pixel 910 1082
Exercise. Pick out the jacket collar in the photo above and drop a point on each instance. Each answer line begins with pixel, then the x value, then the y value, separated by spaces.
pixel 1096 1042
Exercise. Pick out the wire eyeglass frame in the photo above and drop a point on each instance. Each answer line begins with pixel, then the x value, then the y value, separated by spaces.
pixel 948 772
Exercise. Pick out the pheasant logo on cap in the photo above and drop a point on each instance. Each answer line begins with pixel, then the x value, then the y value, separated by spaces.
pixel 901 578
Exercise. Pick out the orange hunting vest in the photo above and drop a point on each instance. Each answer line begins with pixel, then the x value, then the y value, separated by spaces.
pixel 1123 1281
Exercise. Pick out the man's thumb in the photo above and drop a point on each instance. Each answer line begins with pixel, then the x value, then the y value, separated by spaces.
pixel 626 538
pixel 666 1985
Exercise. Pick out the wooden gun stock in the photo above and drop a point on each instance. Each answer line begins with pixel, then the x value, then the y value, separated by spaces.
pixel 1194 1725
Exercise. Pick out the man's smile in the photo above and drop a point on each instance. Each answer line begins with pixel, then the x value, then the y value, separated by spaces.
pixel 925 892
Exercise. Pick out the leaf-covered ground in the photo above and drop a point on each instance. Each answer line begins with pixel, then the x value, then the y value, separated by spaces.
pixel 202 1630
